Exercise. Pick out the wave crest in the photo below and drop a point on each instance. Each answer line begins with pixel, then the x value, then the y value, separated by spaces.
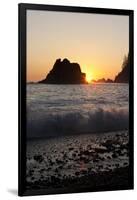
pixel 97 121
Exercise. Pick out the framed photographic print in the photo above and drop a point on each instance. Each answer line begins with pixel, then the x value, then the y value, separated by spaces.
pixel 75 99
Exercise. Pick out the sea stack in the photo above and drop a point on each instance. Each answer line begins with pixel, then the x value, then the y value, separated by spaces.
pixel 65 72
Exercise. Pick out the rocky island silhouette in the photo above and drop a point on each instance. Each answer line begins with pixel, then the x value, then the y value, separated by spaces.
pixel 65 72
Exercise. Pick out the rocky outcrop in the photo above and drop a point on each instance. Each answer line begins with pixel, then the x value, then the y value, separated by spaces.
pixel 123 76
pixel 103 80
pixel 64 72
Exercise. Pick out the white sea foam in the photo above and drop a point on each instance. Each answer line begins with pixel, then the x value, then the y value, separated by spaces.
pixel 54 110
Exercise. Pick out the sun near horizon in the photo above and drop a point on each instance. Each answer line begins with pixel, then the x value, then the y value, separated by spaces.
pixel 89 77
pixel 98 42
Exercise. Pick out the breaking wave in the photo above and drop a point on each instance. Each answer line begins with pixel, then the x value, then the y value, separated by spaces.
pixel 97 121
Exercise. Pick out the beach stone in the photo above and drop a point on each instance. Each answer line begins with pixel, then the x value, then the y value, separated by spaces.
pixel 60 167
pixel 42 170
pixel 32 178
pixel 83 171
pixel 125 163
pixel 56 170
pixel 117 164
pixel 71 148
pixel 74 154
pixel 38 158
pixel 77 173
pixel 59 161
pixel 100 150
pixel 30 172
pixel 85 152
pixel 108 157
pixel 108 145
pixel 95 160
pixel 114 155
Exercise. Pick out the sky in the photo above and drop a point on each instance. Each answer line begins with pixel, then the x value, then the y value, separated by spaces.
pixel 97 42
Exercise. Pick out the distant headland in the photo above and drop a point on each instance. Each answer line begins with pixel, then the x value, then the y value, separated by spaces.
pixel 65 72
pixel 123 76
pixel 103 80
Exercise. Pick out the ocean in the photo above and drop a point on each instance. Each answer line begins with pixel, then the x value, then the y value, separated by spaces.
pixel 77 136
pixel 57 110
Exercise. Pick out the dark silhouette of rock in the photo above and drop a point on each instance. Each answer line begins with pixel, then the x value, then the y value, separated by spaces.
pixel 109 81
pixel 123 76
pixel 103 80
pixel 64 72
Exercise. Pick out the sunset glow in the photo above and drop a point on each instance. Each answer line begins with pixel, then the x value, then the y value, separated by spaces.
pixel 88 77
pixel 97 42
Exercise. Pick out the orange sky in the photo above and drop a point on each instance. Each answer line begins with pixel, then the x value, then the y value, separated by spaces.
pixel 97 42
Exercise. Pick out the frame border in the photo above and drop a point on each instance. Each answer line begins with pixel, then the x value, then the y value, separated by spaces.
pixel 22 58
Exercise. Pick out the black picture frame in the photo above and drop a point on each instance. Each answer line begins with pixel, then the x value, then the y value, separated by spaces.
pixel 22 94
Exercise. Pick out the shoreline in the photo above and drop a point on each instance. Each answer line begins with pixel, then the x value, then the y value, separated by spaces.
pixel 99 133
